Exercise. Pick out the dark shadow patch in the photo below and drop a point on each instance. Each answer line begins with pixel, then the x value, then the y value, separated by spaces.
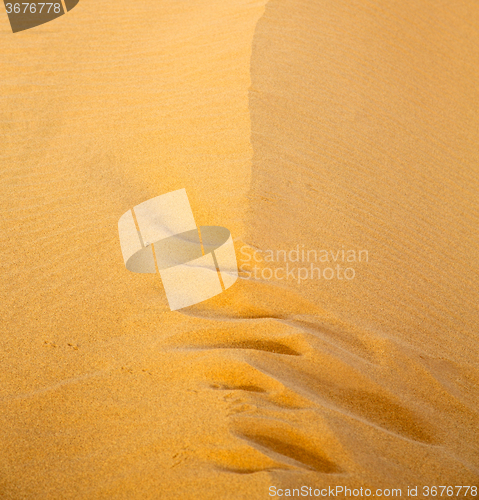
pixel 309 459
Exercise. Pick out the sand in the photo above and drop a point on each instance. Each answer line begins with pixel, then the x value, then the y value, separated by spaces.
pixel 297 125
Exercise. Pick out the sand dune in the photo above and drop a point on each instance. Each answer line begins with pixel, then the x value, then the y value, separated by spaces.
pixel 296 125
pixel 364 136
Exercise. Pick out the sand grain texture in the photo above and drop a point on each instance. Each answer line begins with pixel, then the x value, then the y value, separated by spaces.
pixel 327 125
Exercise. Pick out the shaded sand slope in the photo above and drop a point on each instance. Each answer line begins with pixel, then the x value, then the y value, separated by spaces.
pixel 365 129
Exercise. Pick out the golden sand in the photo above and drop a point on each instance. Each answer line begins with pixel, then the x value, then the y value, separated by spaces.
pixel 295 124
